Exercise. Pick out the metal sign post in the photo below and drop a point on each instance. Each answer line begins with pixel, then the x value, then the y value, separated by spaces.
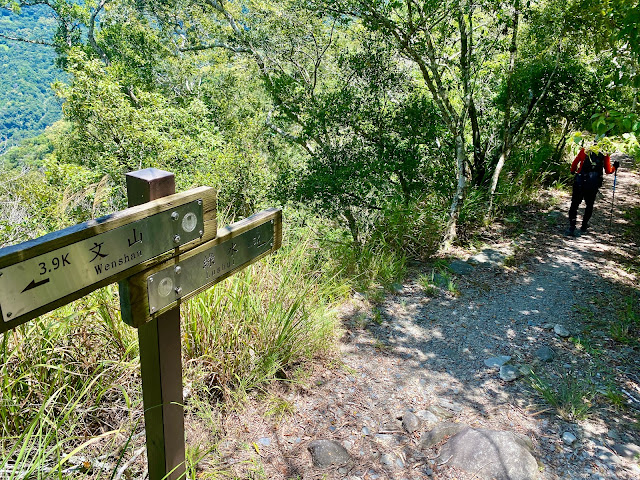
pixel 42 274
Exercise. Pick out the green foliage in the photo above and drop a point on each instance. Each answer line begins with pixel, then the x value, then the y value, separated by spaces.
pixel 117 130
pixel 626 327
pixel 79 355
pixel 73 375
pixel 41 200
pixel 380 148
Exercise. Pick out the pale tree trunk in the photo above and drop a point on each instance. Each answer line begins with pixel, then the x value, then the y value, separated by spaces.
pixel 506 139
pixel 353 225
pixel 454 210
pixel 466 47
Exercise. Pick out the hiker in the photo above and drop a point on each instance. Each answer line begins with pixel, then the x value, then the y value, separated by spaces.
pixel 588 167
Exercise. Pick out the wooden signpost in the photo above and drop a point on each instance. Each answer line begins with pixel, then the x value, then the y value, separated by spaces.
pixel 162 250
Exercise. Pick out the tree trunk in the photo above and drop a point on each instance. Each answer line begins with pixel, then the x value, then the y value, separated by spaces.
pixel 353 226
pixel 454 210
pixel 406 190
pixel 506 127
pixel 479 170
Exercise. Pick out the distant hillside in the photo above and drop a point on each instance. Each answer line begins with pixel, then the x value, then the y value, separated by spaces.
pixel 27 104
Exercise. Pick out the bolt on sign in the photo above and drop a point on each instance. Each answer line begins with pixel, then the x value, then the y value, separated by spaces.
pixel 162 250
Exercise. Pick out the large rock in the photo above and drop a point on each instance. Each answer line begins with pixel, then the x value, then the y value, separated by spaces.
pixel 439 433
pixel 460 268
pixel 488 256
pixel 490 454
pixel 325 453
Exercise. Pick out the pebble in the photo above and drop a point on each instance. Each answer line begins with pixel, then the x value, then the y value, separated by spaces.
pixel 568 438
pixel 509 373
pixel 365 431
pixel 561 330
pixel 264 441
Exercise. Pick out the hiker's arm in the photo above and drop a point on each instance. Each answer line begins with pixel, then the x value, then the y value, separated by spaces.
pixel 578 160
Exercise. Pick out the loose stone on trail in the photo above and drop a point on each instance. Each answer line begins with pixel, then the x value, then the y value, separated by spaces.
pixel 497 361
pixel 509 373
pixel 460 268
pixel 427 417
pixel 545 354
pixel 410 422
pixel 561 330
pixel 490 454
pixel 488 256
pixel 264 441
pixel 325 453
pixel 450 405
pixel 568 438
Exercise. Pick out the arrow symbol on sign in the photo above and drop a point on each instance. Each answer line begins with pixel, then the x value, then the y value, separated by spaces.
pixel 35 284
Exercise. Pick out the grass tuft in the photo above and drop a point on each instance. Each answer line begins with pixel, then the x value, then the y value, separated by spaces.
pixel 571 397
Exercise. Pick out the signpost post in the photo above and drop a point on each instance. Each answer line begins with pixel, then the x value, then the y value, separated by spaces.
pixel 160 356
pixel 162 250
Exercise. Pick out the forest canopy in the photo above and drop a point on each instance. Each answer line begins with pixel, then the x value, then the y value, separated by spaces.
pixel 362 112
pixel 27 71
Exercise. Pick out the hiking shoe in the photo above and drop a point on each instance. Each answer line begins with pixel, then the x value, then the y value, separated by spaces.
pixel 570 232
pixel 584 228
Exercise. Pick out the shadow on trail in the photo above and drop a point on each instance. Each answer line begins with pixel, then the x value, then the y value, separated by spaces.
pixel 580 283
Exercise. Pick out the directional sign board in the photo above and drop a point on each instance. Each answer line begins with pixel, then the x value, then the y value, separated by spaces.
pixel 96 253
pixel 234 248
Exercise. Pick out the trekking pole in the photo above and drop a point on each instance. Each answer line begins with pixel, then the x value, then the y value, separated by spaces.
pixel 613 198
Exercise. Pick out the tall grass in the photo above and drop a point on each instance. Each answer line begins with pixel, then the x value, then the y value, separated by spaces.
pixel 70 382
pixel 262 320
pixel 63 381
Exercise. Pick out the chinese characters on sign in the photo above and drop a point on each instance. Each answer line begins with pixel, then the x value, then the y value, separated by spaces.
pixel 40 280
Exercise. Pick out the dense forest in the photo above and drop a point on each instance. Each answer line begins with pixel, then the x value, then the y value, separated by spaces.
pixel 27 101
pixel 353 110
pixel 385 129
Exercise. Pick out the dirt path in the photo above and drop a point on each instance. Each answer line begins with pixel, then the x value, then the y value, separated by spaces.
pixel 424 349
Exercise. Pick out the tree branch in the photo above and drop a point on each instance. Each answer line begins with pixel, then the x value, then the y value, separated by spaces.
pixel 91 30
pixel 216 44
pixel 26 40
